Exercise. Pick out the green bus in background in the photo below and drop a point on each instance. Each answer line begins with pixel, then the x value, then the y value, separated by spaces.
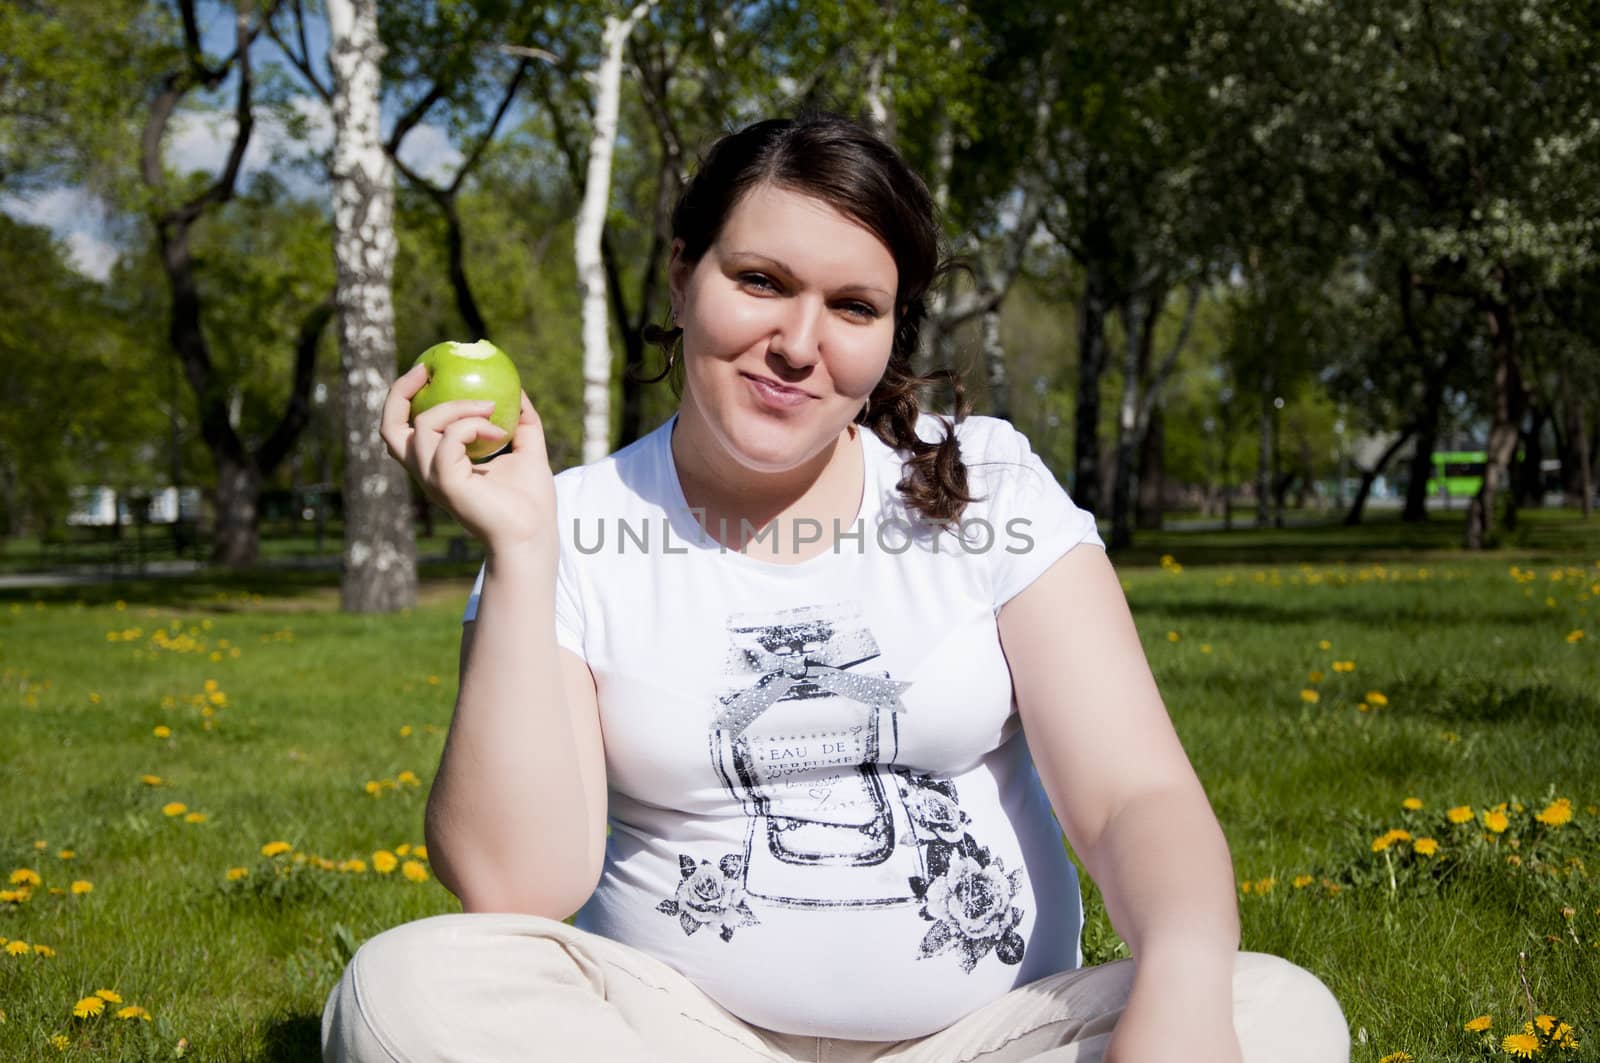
pixel 1457 473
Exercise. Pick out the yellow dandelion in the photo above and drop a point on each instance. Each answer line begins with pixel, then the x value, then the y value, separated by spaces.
pixel 402 849
pixel 17 948
pixel 1302 881
pixel 110 996
pixel 1324 645
pixel 409 778
pixel 1377 698
pixel 1310 696
pixel 1521 1045
pixel 419 851
pixel 433 680
pixel 1460 814
pixel 1412 804
pixel 383 861
pixel 1496 821
pixel 1205 647
pixel 354 866
pixel 174 808
pixel 25 876
pixel 1546 1023
pixel 82 886
pixel 44 950
pixel 195 817
pixel 1314 676
pixel 237 873
pixel 1514 860
pixel 1425 847
pixel 405 731
pixel 1556 814
pixel 88 1006
pixel 1396 1057
pixel 275 848
pixel 374 787
pixel 60 1041
pixel 1173 636
pixel 414 871
pixel 133 1011
pixel 66 854
pixel 1575 636
pixel 150 780
pixel 161 730
pixel 1382 842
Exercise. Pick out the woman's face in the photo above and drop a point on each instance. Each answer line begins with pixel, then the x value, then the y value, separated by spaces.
pixel 788 320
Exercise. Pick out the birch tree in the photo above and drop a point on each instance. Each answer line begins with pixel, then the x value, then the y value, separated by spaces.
pixel 591 228
pixel 380 572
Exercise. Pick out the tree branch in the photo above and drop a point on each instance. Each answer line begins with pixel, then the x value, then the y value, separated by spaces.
pixel 298 413
pixel 494 123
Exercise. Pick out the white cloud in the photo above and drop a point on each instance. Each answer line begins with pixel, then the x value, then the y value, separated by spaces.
pixel 77 218
pixel 428 151
pixel 90 255
pixel 54 208
pixel 200 140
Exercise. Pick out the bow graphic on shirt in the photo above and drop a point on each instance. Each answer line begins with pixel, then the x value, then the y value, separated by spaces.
pixel 783 673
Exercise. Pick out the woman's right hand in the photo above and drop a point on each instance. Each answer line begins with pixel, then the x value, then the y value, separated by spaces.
pixel 508 503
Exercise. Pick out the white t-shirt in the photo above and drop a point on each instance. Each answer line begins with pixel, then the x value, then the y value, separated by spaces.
pixel 823 809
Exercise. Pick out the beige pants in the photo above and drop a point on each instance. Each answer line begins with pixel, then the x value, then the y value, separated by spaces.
pixel 481 988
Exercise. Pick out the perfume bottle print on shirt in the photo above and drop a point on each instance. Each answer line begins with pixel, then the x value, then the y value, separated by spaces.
pixel 804 740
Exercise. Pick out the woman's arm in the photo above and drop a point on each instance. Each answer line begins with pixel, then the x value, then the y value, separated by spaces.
pixel 516 816
pixel 1130 805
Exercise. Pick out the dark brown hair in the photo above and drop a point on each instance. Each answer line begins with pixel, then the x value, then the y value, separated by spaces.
pixel 848 167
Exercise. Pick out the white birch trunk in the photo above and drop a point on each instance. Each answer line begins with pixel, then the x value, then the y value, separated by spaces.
pixel 591 225
pixel 380 572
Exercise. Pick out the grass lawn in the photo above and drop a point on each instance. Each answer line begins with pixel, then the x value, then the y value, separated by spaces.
pixel 1319 677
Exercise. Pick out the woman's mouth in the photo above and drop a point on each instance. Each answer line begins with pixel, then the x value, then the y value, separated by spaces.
pixel 771 393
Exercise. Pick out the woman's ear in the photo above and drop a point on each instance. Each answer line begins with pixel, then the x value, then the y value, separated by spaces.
pixel 678 270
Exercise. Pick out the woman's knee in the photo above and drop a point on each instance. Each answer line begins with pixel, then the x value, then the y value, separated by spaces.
pixel 1283 1011
pixel 406 984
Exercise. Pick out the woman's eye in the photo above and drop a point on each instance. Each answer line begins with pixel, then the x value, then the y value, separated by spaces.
pixel 758 280
pixel 865 311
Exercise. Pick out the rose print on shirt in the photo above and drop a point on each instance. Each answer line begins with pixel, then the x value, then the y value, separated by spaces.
pixel 971 910
pixel 710 894
pixel 968 893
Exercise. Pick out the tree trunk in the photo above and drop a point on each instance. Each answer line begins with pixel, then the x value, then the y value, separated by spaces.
pixel 994 364
pixel 1416 507
pixel 1508 403
pixel 380 569
pixel 1576 474
pixel 1529 479
pixel 1264 454
pixel 466 303
pixel 591 225
pixel 1135 335
pixel 1151 503
pixel 236 536
pixel 1091 365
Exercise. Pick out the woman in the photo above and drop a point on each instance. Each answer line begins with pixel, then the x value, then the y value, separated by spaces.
pixel 825 665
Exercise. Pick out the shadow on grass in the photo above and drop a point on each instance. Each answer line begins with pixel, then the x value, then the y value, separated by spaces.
pixel 1346 609
pixel 219 590
pixel 1551 534
pixel 295 1039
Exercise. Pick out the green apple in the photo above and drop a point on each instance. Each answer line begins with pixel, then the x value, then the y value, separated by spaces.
pixel 480 372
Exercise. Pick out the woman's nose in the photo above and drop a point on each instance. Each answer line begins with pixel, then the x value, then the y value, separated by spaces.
pixel 797 337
